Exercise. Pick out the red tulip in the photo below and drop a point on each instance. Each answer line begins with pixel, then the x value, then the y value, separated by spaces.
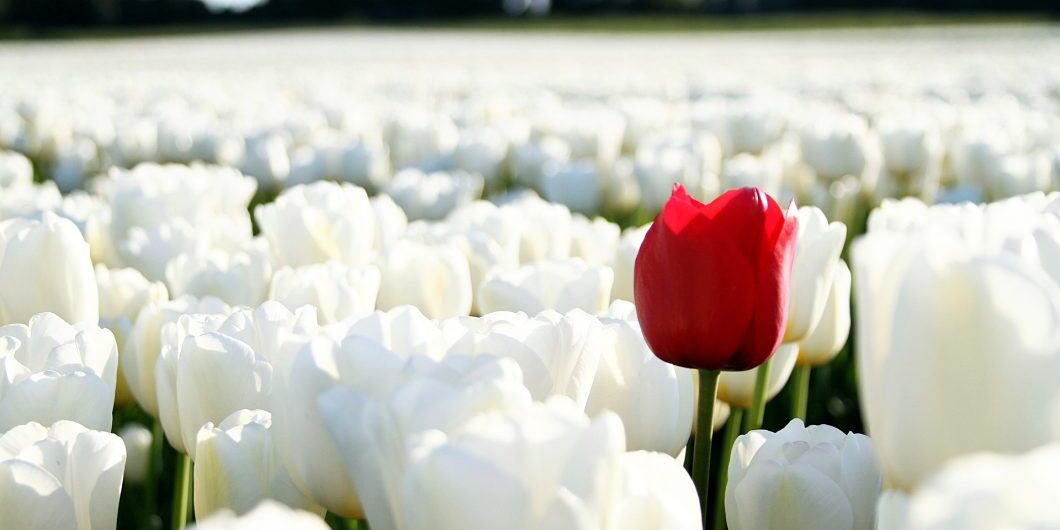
pixel 711 280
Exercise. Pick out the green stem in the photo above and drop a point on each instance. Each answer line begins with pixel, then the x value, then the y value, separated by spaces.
pixel 753 420
pixel 800 396
pixel 708 391
pixel 154 468
pixel 181 492
pixel 732 430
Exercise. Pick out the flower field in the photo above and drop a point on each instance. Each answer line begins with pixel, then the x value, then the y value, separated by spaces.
pixel 423 279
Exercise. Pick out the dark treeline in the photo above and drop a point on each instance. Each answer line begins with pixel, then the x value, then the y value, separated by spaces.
pixel 73 13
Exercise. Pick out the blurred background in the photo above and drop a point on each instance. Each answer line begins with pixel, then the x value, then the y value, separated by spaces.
pixel 37 16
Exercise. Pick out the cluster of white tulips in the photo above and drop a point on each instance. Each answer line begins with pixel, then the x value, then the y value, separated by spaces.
pixel 411 304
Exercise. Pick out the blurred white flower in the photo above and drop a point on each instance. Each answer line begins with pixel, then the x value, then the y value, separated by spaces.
pixel 832 331
pixel 980 492
pixel 15 171
pixel 434 278
pixel 558 285
pixel 238 278
pixel 267 515
pixel 337 291
pixel 432 195
pixel 737 388
pixel 577 185
pixel 625 258
pixel 319 222
pixel 137 440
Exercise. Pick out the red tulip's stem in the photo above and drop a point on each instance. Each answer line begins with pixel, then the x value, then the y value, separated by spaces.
pixel 758 402
pixel 732 430
pixel 181 492
pixel 708 391
pixel 801 391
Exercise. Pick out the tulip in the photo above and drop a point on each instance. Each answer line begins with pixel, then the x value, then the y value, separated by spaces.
pixel 802 477
pixel 45 266
pixel 52 371
pixel 65 477
pixel 212 366
pixel 622 264
pixel 420 139
pixel 980 492
pixel 594 241
pixel 319 222
pixel 738 388
pixel 29 201
pixel 528 160
pixel 434 278
pixel 577 185
pixel 390 221
pixel 236 467
pixel 404 330
pixel 137 440
pixel 696 256
pixel 267 515
pixel 371 424
pixel 338 292
pixel 818 246
pixel 827 338
pixel 499 454
pixel 122 294
pixel 545 229
pixel 237 278
pixel 432 195
pixel 15 170
pixel 144 346
pixel 569 346
pixel 482 152
pixel 558 285
pixel 937 325
pixel 654 399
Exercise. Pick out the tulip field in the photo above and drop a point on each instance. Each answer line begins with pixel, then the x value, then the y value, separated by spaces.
pixel 430 279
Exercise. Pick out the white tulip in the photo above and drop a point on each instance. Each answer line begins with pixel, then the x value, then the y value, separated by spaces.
pixel 390 221
pixel 122 294
pixel 212 366
pixel 570 346
pixel 482 152
pixel 839 145
pixel 738 388
pixel 29 201
pixel 45 266
pixel 137 440
pixel 268 515
pixel 421 139
pixel 802 477
pixel 65 477
pixel 364 162
pixel 237 278
pixel 831 332
pixel 577 185
pixel 657 493
pixel 624 260
pixel 144 346
pixel 319 222
pixel 962 289
pixel 528 160
pixel 654 399
pixel 817 249
pixel 746 170
pixel 236 467
pixel 434 278
pixel 432 196
pixel 15 170
pixel 371 426
pixel 542 466
pixel 545 231
pixel 51 371
pixel 594 241
pixel 558 285
pixel 981 492
pixel 337 291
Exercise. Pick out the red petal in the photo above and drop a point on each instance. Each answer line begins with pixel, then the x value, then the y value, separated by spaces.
pixel 771 306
